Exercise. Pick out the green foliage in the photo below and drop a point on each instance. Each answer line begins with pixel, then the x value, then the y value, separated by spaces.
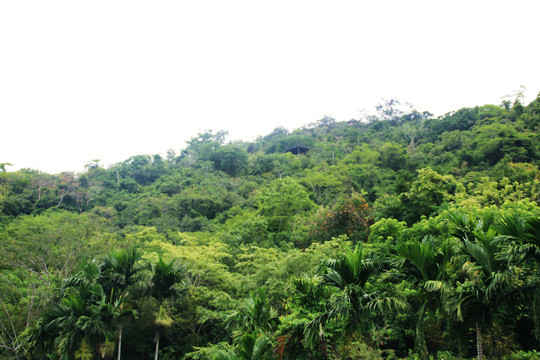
pixel 230 159
pixel 427 194
pixel 254 315
pixel 386 231
pixel 355 300
pixel 164 277
pixel 246 227
pixel 4 191
pixel 392 156
pixel 363 154
pixel 350 216
pixel 425 265
pixel 86 315
pixel 453 236
pixel 280 201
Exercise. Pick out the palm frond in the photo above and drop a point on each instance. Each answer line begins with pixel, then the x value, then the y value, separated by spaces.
pixel 532 231
pixel 261 347
pixel 461 226
pixel 510 226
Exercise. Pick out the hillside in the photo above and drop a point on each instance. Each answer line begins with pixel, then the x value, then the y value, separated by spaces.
pixel 392 237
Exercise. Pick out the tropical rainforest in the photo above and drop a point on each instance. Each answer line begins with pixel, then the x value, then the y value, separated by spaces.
pixel 398 236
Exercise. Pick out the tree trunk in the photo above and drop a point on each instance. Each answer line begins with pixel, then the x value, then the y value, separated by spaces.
pixel 157 345
pixel 421 346
pixel 479 342
pixel 536 313
pixel 120 343
pixel 61 200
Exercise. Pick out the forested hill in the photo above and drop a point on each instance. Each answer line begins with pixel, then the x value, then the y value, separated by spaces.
pixel 398 236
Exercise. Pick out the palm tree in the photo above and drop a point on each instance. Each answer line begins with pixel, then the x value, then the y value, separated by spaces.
pixel 55 333
pixel 308 299
pixel 164 278
pixel 255 314
pixel 353 300
pixel 119 271
pixel 82 316
pixel 487 274
pixel 89 310
pixel 523 238
pixel 425 265
pixel 252 346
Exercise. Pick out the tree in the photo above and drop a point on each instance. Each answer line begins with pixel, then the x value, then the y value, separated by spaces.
pixel 280 201
pixel 523 237
pixel 283 143
pixel 119 271
pixel 4 192
pixel 491 142
pixel 252 346
pixel 83 316
pixel 255 315
pixel 355 298
pixel 426 195
pixel 207 137
pixel 396 111
pixel 324 184
pixel 37 253
pixel 3 166
pixel 163 281
pixel 230 159
pixel 42 181
pixel 350 216
pixel 392 156
pixel 144 169
pixel 487 277
pixel 425 265
pixel 276 165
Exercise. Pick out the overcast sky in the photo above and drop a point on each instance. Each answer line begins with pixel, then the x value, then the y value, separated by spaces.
pixel 84 80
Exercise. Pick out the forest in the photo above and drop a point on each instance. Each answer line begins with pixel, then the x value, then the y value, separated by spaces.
pixel 397 236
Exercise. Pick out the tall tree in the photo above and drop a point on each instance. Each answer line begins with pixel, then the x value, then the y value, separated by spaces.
pixel 164 278
pixel 523 236
pixel 255 314
pixel 354 299
pixel 425 264
pixel 487 276
pixel 82 317
pixel 119 271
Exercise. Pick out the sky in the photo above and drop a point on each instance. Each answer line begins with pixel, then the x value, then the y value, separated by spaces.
pixel 85 80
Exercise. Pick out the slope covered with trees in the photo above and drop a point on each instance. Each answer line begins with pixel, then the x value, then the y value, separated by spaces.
pixel 400 236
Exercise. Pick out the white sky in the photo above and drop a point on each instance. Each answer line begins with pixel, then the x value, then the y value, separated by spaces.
pixel 83 80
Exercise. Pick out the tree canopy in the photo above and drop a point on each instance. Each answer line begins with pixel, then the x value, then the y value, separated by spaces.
pixel 396 236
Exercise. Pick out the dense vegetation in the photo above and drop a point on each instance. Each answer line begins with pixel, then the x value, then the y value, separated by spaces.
pixel 402 236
